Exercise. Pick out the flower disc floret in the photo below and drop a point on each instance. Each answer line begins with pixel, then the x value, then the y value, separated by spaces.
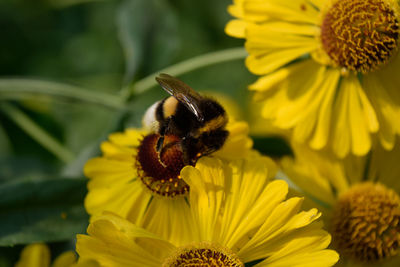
pixel 366 224
pixel 360 35
pixel 203 254
pixel 160 172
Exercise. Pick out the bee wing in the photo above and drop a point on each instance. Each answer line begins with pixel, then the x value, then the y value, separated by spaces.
pixel 182 92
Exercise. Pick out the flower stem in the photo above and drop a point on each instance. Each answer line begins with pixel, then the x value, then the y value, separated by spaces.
pixel 17 89
pixel 183 67
pixel 37 133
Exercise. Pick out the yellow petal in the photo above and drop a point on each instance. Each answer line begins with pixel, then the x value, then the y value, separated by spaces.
pixel 303 130
pixel 369 112
pixel 323 126
pixel 207 189
pixel 170 219
pixel 238 144
pixel 304 102
pixel 113 151
pixel 131 137
pixel 112 241
pixel 236 28
pixel 277 228
pixel 86 263
pixel 255 205
pixel 360 136
pixel 35 255
pixel 270 81
pixel 128 200
pixel 275 59
pixel 236 9
pixel 341 135
pixel 304 251
pixel 284 78
pixel 287 29
pixel 66 259
pixel 386 109
pixel 294 10
pixel 308 177
pixel 104 171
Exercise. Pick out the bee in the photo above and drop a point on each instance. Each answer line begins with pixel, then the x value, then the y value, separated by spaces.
pixel 198 121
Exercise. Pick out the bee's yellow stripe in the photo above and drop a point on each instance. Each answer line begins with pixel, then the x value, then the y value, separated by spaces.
pixel 213 124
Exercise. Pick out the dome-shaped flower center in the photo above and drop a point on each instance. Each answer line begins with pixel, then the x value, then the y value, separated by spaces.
pixel 204 255
pixel 360 35
pixel 366 224
pixel 160 172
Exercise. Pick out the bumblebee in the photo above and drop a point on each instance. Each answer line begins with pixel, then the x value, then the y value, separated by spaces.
pixel 198 121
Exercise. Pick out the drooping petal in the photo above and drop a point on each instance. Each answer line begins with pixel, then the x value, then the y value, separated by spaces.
pixel 173 220
pixel 34 255
pixel 250 197
pixel 66 259
pixel 113 241
pixel 207 191
pixel 128 200
pixel 267 62
pixel 304 251
pixel 236 28
pixel 381 91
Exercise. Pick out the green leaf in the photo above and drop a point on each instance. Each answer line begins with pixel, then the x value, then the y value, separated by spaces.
pixel 68 3
pixel 14 168
pixel 42 211
pixel 273 146
pixel 5 145
pixel 92 149
pixel 36 132
pixel 148 34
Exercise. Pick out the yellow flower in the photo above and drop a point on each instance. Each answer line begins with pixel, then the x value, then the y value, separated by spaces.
pixel 359 200
pixel 329 68
pixel 236 216
pixel 38 255
pixel 129 179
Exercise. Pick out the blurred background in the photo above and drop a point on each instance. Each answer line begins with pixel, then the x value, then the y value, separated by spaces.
pixel 67 71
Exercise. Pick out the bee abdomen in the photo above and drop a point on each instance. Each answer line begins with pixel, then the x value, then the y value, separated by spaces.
pixel 216 123
pixel 149 120
pixel 213 140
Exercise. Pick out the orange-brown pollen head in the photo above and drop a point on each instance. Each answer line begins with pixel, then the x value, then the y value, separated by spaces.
pixel 160 172
pixel 360 35
pixel 203 255
pixel 366 223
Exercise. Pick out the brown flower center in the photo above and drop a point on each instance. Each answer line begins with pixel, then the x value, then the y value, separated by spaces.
pixel 360 35
pixel 204 255
pixel 160 172
pixel 366 224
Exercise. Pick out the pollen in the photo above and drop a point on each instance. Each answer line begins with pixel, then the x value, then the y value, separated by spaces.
pixel 360 35
pixel 161 173
pixel 204 255
pixel 366 224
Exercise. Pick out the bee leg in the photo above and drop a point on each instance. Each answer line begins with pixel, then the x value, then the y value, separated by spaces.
pixel 160 158
pixel 162 131
pixel 160 144
pixel 160 154
pixel 186 157
pixel 186 151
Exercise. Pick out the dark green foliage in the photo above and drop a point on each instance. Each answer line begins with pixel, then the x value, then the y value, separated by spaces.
pixel 41 210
